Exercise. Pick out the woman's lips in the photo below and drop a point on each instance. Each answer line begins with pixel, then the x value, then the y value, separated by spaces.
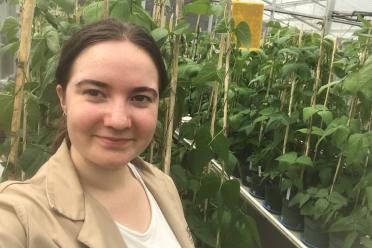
pixel 115 142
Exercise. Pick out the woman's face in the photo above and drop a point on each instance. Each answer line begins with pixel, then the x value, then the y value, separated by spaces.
pixel 111 102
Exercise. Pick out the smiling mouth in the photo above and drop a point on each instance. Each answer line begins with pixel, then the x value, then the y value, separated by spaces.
pixel 114 141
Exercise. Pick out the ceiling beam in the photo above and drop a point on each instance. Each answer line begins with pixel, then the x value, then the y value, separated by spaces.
pixel 300 2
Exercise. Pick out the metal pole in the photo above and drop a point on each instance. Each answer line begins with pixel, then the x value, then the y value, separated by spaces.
pixel 273 12
pixel 328 15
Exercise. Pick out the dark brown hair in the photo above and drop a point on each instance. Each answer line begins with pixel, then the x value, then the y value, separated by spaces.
pixel 109 29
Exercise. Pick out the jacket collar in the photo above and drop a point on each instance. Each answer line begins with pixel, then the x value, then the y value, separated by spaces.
pixel 63 188
pixel 66 196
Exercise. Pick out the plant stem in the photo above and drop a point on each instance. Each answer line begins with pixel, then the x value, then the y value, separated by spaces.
pixel 293 86
pixel 215 90
pixel 315 91
pixel 106 11
pixel 77 11
pixel 330 76
pixel 27 15
pixel 227 68
pixel 172 97
pixel 351 114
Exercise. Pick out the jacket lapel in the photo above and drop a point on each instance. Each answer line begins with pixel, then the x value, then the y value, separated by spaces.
pixel 99 230
pixel 66 196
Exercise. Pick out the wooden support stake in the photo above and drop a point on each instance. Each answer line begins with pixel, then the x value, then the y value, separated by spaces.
pixel 106 10
pixel 172 97
pixel 27 15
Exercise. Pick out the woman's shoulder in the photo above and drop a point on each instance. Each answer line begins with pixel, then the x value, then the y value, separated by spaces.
pixel 24 192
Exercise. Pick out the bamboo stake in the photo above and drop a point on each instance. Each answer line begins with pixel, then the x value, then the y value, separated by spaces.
pixel 227 74
pixel 162 18
pixel 330 76
pixel 327 94
pixel 106 11
pixel 293 86
pixel 313 97
pixel 215 90
pixel 151 157
pixel 24 126
pixel 27 15
pixel 77 11
pixel 172 97
pixel 351 114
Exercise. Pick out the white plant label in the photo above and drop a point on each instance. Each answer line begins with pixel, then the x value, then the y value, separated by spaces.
pixel 259 171
pixel 288 194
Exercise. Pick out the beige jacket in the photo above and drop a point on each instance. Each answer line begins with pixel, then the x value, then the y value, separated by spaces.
pixel 52 210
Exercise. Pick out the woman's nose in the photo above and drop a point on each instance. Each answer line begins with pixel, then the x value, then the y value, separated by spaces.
pixel 117 116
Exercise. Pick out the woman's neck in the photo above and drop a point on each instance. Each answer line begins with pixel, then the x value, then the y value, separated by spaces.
pixel 95 178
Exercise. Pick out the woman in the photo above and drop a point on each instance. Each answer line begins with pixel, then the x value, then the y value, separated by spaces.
pixel 89 193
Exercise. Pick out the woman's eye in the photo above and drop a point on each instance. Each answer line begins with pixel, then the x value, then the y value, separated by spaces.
pixel 142 98
pixel 94 93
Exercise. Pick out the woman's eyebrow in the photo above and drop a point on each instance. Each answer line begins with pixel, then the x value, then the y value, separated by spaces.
pixel 96 83
pixel 146 89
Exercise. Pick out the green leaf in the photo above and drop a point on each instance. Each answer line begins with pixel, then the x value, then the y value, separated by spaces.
pixel 120 9
pixel 204 231
pixel 32 158
pixel 326 116
pixel 92 12
pixel 300 199
pixel 199 7
pixel 268 111
pixel 33 109
pixel 207 73
pixel 230 191
pixel 308 112
pixel 182 27
pixel 141 17
pixel 10 28
pixel 68 6
pixel 243 33
pixel 369 197
pixel 159 33
pixel 300 69
pixel 6 111
pixel 357 148
pixel 304 160
pixel 11 48
pixel 360 81
pixel 220 145
pixel 321 205
pixel 52 39
pixel 329 85
pixel 340 135
pixel 350 239
pixel 222 26
pixel 289 158
pixel 342 225
pixel 209 186
pixel 197 159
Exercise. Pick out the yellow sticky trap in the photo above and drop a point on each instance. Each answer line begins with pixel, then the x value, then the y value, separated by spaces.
pixel 252 13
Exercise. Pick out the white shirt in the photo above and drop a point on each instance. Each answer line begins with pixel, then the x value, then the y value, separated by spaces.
pixel 158 234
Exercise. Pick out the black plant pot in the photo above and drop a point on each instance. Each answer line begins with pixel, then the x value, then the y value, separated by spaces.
pixel 247 177
pixel 291 217
pixel 336 240
pixel 258 186
pixel 273 198
pixel 315 235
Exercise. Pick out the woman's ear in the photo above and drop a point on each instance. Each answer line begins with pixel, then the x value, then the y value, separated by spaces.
pixel 62 98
